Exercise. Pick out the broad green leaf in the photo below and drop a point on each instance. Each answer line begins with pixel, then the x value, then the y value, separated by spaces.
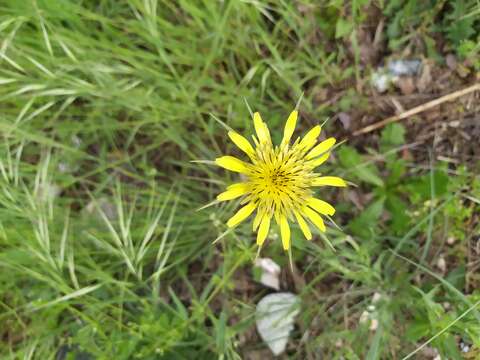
pixel 356 165
pixel 366 223
pixel 393 135
pixel 457 277
pixel 397 208
pixel 449 345
pixel 344 27
pixel 418 329
pixel 397 169
pixel 420 187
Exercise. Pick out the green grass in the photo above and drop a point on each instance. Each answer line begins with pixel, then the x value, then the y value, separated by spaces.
pixel 103 106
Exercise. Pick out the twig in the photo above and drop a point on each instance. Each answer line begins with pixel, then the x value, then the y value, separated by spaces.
pixel 418 109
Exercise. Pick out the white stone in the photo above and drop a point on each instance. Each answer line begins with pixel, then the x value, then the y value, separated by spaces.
pixel 275 315
pixel 270 272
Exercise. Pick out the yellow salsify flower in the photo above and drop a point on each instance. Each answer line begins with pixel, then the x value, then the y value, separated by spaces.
pixel 279 180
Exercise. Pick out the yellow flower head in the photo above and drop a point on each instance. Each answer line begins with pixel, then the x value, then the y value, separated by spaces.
pixel 279 180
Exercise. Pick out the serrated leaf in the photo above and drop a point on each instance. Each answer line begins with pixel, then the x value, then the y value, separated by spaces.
pixel 461 27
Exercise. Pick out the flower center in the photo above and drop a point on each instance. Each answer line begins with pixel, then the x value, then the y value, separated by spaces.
pixel 278 178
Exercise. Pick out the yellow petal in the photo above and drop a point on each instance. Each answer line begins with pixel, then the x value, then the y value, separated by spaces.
pixel 263 230
pixel 289 127
pixel 258 218
pixel 261 129
pixel 315 218
pixel 232 163
pixel 285 232
pixel 321 206
pixel 276 214
pixel 319 161
pixel 303 226
pixel 329 181
pixel 321 148
pixel 311 138
pixel 241 214
pixel 233 191
pixel 242 143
